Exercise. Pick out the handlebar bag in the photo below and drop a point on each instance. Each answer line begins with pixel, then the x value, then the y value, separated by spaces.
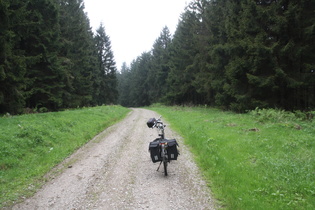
pixel 151 122
pixel 154 149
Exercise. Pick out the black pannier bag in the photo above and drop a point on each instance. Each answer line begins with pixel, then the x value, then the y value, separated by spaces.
pixel 172 151
pixel 151 122
pixel 155 152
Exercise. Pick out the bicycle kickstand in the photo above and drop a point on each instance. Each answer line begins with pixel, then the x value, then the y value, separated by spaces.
pixel 159 166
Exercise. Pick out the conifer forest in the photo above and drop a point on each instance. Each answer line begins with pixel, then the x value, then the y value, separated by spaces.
pixel 231 54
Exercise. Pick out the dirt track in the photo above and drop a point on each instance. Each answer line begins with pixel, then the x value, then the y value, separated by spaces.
pixel 114 171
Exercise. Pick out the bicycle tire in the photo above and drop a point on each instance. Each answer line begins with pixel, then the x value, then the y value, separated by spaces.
pixel 165 166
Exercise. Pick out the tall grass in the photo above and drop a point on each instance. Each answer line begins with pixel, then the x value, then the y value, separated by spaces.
pixel 31 145
pixel 251 161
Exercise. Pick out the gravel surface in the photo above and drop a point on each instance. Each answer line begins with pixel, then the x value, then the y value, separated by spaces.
pixel 114 171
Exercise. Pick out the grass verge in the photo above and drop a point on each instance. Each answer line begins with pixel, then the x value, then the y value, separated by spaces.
pixel 33 144
pixel 259 160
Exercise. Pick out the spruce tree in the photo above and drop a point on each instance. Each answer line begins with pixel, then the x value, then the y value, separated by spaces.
pixel 139 85
pixel 77 53
pixel 183 52
pixel 294 50
pixel 214 54
pixel 124 85
pixel 251 68
pixel 106 68
pixel 159 67
pixel 41 44
pixel 12 58
pixel 29 66
pixel 237 55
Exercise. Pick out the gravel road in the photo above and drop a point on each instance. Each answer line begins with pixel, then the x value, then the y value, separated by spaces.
pixel 114 171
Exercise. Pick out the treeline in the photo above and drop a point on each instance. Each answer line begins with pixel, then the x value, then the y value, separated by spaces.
pixel 50 59
pixel 232 54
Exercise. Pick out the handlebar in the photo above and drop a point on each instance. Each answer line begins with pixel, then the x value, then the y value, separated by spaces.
pixel 157 123
pixel 152 123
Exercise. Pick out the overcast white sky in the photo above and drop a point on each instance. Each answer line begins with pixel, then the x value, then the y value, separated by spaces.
pixel 133 25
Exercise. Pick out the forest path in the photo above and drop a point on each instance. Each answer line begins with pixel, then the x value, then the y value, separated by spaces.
pixel 114 171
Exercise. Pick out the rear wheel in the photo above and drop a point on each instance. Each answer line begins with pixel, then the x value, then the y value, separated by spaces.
pixel 165 165
pixel 164 158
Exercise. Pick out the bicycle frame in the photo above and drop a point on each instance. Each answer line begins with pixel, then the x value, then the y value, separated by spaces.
pixel 163 145
pixel 160 126
pixel 162 149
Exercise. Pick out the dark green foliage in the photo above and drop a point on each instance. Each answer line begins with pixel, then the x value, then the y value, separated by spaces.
pixel 49 59
pixel 136 89
pixel 146 80
pixel 12 58
pixel 238 55
pixel 78 54
pixel 124 85
pixel 40 43
pixel 159 69
pixel 183 52
pixel 105 79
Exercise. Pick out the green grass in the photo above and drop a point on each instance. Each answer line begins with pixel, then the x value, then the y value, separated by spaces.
pixel 31 145
pixel 261 160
